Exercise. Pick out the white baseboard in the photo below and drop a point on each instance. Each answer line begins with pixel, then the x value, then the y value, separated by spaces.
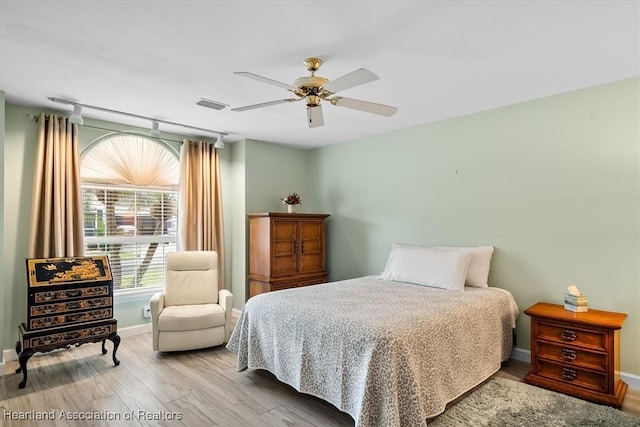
pixel 521 355
pixel 135 330
pixel 633 381
pixel 235 313
pixel 7 356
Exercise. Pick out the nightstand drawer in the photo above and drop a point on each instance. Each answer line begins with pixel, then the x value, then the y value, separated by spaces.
pixel 573 375
pixel 573 355
pixel 571 334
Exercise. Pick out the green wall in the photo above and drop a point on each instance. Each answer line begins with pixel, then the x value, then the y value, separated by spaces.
pixel 262 173
pixel 20 139
pixel 238 232
pixel 553 184
pixel 2 238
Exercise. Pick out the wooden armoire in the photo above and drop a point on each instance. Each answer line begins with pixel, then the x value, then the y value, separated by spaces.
pixel 286 250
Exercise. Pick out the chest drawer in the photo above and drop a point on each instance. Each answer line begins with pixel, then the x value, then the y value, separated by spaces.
pixel 70 318
pixel 65 307
pixel 574 335
pixel 574 375
pixel 47 339
pixel 573 355
pixel 54 295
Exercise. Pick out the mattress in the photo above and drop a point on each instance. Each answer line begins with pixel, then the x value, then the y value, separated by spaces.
pixel 387 353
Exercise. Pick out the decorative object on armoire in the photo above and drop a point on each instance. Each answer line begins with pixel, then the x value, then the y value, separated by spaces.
pixel 286 251
pixel 70 302
pixel 292 200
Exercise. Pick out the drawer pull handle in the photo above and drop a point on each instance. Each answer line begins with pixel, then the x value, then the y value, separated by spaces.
pixel 568 354
pixel 569 374
pixel 568 335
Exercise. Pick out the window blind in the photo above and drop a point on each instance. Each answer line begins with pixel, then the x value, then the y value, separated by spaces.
pixel 135 228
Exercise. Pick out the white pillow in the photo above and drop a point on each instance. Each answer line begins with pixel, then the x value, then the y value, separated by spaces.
pixel 446 269
pixel 478 275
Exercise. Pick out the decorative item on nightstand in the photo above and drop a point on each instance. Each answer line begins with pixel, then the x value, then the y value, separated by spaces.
pixel 292 201
pixel 575 301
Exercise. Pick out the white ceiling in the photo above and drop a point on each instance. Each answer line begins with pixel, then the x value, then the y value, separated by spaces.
pixel 435 59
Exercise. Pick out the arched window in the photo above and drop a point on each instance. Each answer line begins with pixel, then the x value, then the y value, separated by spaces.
pixel 129 197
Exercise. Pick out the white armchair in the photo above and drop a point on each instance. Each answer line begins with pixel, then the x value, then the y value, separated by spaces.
pixel 191 312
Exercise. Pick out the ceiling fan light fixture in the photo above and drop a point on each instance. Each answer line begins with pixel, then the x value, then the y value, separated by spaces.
pixel 76 116
pixel 312 100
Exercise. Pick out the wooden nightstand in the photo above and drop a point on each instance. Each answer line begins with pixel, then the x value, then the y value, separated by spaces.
pixel 577 353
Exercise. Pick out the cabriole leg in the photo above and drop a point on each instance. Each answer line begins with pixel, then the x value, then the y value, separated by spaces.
pixel 115 339
pixel 24 357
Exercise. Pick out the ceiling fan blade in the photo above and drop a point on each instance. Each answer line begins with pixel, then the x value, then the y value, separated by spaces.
pixel 354 78
pixel 264 104
pixel 369 107
pixel 315 117
pixel 265 80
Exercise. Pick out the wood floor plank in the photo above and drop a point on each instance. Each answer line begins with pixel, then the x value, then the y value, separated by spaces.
pixel 202 387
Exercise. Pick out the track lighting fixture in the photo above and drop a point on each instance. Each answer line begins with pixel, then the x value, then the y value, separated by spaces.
pixel 155 129
pixel 219 142
pixel 76 116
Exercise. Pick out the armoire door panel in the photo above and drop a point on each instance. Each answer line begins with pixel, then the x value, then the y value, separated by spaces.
pixel 285 230
pixel 284 265
pixel 284 247
pixel 311 229
pixel 310 263
pixel 310 246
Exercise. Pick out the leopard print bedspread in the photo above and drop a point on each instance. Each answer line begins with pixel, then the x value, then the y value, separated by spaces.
pixel 387 353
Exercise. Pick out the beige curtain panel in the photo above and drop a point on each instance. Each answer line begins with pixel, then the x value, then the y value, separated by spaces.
pixel 200 222
pixel 56 214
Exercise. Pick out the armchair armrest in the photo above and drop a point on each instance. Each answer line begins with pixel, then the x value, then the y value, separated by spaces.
pixel 225 299
pixel 156 304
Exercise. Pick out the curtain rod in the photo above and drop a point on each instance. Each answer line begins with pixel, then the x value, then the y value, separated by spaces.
pixel 46 116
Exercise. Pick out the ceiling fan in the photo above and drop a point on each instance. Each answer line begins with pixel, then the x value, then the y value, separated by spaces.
pixel 313 89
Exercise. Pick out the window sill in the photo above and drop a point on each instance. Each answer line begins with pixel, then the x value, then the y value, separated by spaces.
pixel 145 294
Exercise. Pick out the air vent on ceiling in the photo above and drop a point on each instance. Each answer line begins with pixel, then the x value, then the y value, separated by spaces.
pixel 211 104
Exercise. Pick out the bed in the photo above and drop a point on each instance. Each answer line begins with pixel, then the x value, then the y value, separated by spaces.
pixel 386 352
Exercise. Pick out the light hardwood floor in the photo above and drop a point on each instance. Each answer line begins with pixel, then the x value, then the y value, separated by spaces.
pixel 199 387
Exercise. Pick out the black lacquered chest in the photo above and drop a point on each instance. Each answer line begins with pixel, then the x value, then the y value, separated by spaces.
pixel 70 302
